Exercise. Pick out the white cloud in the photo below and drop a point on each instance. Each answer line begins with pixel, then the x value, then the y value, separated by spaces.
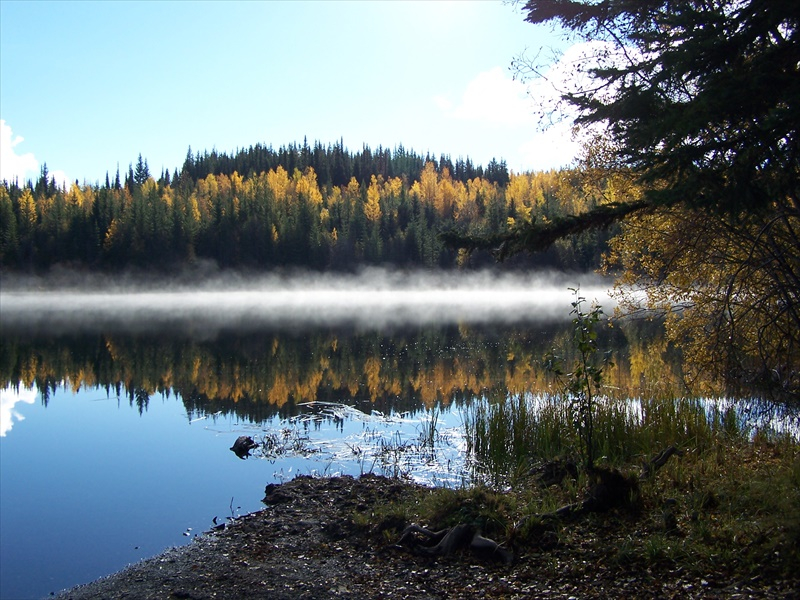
pixel 8 398
pixel 443 103
pixel 12 165
pixel 571 74
pixel 495 98
pixel 21 167
pixel 492 97
pixel 552 148
pixel 61 179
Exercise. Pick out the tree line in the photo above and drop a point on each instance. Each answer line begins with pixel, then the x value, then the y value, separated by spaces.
pixel 302 206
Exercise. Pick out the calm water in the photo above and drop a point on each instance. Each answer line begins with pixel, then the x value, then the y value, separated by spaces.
pixel 120 404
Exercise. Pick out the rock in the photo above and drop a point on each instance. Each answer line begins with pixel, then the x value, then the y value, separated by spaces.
pixel 243 445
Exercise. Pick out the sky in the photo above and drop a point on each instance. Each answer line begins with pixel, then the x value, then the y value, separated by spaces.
pixel 88 86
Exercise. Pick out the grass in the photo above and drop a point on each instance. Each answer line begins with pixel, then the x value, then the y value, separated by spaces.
pixel 506 438
pixel 730 505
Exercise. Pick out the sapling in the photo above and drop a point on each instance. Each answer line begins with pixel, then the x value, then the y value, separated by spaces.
pixel 581 381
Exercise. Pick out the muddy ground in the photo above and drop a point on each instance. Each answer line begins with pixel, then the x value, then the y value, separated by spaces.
pixel 310 543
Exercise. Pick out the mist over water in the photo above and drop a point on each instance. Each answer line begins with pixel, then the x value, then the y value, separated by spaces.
pixel 372 299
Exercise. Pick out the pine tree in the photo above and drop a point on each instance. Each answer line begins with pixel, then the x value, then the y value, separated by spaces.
pixel 142 172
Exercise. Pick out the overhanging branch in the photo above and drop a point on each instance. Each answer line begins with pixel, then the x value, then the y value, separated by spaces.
pixel 537 237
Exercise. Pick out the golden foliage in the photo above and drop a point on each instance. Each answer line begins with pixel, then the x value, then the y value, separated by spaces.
pixel 278 183
pixel 27 210
pixel 306 185
pixel 727 285
pixel 372 209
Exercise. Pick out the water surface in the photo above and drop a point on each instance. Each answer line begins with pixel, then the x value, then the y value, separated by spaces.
pixel 120 401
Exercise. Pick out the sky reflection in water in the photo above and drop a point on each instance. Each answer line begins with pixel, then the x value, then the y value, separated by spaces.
pixel 90 485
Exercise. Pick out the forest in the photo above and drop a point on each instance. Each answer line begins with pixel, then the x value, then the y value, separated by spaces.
pixel 312 207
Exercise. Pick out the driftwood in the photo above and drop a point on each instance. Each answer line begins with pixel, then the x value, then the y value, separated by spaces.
pixel 448 541
pixel 611 489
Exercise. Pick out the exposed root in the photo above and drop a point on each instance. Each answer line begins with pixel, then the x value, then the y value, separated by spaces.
pixel 449 541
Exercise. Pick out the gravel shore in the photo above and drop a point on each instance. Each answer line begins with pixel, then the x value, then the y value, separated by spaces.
pixel 306 545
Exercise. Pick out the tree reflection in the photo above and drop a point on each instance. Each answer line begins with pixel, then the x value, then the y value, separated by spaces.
pixel 267 373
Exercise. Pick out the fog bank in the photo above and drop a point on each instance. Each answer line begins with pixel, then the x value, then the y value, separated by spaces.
pixel 373 298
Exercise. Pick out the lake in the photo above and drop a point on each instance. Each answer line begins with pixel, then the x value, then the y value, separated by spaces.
pixel 122 397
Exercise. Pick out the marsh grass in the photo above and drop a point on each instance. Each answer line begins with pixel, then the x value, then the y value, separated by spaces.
pixel 505 438
pixel 731 502
pixel 501 434
pixel 428 430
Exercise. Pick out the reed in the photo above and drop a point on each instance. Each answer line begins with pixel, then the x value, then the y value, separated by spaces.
pixel 504 438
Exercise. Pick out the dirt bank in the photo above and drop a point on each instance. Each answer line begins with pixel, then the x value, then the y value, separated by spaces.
pixel 311 543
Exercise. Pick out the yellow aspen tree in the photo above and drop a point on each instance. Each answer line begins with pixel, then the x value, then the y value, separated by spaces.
pixel 306 184
pixel 464 209
pixel 537 198
pixel 75 197
pixel 372 209
pixel 334 198
pixel 193 215
pixel 278 182
pixel 722 283
pixel 393 187
pixel 209 186
pixel 518 194
pixel 89 199
pixel 350 197
pixel 324 216
pixel 353 189
pixel 445 195
pixel 428 185
pixel 224 187
pixel 415 190
pixel 237 183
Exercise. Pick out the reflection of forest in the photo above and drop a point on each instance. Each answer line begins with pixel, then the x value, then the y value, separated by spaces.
pixel 263 373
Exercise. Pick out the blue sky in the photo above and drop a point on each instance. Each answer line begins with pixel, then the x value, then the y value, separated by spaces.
pixel 85 86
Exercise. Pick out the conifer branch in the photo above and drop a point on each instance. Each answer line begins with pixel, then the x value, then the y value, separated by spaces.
pixel 531 236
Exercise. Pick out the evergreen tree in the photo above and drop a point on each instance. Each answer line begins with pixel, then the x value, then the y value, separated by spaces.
pixel 142 172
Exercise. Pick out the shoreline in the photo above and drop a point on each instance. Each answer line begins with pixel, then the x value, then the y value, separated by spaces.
pixel 312 542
